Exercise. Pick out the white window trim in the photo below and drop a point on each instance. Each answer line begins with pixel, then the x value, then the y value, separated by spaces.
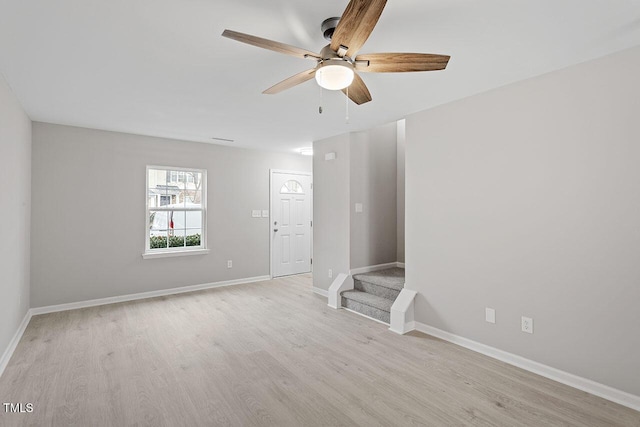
pixel 182 251
pixel 169 253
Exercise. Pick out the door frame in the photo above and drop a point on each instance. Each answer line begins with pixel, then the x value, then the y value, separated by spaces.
pixel 290 172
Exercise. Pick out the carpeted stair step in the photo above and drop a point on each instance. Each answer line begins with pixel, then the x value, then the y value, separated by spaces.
pixel 383 283
pixel 368 304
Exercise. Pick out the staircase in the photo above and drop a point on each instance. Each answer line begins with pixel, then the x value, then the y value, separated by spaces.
pixel 374 293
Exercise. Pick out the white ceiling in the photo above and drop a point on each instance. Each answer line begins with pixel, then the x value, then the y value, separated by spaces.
pixel 160 67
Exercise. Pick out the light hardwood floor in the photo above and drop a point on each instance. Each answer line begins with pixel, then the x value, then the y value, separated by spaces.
pixel 269 353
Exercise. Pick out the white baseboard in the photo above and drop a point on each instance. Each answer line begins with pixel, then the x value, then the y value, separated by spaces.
pixel 408 327
pixel 6 356
pixel 618 396
pixel 143 295
pixel 400 264
pixel 322 292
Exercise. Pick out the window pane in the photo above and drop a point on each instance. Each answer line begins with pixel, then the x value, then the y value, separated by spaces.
pixel 193 219
pixel 158 230
pixel 194 236
pixel 157 177
pixel 160 193
pixel 177 220
pixel 158 222
pixel 176 241
pixel 158 242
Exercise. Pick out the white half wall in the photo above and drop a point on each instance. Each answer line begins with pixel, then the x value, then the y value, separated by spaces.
pixel 15 214
pixel 89 213
pixel 526 199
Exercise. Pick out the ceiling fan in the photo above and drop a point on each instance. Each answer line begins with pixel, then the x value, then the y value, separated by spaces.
pixel 336 65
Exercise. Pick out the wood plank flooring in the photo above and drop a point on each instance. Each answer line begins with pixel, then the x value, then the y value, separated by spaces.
pixel 269 354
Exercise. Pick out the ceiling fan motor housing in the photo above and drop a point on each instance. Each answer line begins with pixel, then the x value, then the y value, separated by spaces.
pixel 328 27
pixel 328 54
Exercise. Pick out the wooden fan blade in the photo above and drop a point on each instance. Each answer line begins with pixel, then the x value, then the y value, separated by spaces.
pixel 291 81
pixel 356 24
pixel 358 91
pixel 270 44
pixel 400 62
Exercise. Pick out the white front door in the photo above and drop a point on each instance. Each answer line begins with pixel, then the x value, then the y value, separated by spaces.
pixel 290 223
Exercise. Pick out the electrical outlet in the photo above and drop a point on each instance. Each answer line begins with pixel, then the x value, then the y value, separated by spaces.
pixel 229 264
pixel 490 315
pixel 330 274
pixel 527 325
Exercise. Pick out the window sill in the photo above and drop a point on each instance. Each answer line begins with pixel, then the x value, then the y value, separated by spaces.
pixel 151 255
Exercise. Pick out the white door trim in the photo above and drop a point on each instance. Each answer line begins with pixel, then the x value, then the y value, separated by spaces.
pixel 274 171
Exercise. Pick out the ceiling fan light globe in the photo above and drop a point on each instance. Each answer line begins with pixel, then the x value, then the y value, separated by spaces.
pixel 335 76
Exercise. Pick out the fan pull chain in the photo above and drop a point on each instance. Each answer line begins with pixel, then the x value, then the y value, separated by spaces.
pixel 320 107
pixel 347 106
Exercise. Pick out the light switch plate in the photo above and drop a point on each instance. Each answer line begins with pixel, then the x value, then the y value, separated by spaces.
pixel 265 214
pixel 255 213
pixel 330 156
pixel 358 207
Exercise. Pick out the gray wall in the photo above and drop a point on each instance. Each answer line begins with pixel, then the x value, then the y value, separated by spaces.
pixel 373 182
pixel 400 191
pixel 330 210
pixel 527 199
pixel 89 213
pixel 15 211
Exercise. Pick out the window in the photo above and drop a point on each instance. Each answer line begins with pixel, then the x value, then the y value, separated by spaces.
pixel 175 212
pixel 291 187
